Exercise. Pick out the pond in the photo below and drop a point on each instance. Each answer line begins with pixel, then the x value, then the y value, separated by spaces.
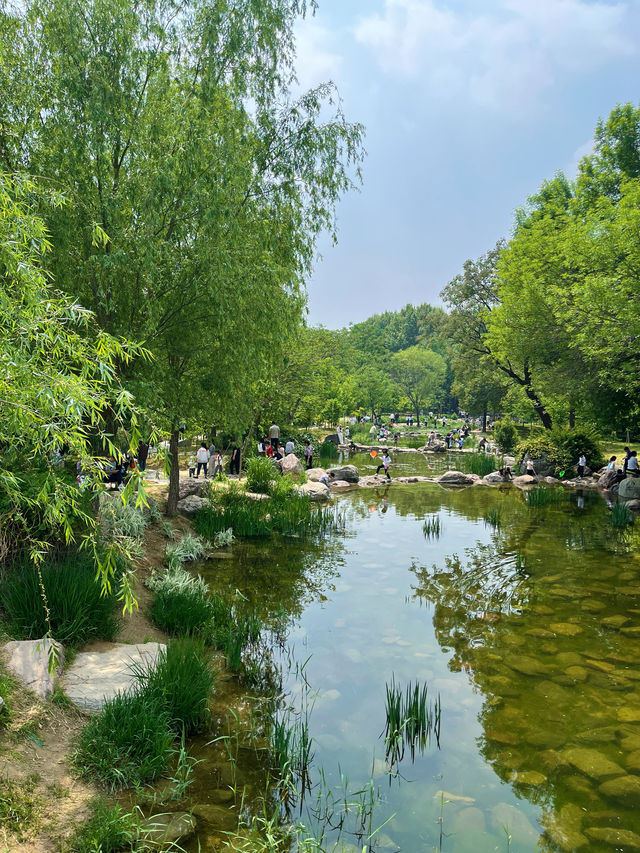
pixel 525 625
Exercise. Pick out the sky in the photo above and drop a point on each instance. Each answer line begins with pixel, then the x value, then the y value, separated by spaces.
pixel 468 107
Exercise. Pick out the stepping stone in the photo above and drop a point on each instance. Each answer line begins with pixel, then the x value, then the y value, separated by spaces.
pixel 94 677
pixel 29 661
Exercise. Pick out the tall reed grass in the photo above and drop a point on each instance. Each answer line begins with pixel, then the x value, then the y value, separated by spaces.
pixel 620 516
pixel 544 496
pixel 411 720
pixel 480 463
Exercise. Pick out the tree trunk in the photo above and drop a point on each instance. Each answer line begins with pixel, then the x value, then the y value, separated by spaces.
pixel 417 416
pixel 572 418
pixel 540 410
pixel 174 472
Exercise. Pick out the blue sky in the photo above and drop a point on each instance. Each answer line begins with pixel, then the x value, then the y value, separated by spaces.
pixel 468 106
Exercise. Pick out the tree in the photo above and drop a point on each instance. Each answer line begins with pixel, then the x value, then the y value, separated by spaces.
pixel 58 381
pixel 419 373
pixel 174 131
pixel 374 390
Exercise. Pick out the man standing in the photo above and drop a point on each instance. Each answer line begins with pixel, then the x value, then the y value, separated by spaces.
pixel 234 465
pixel 274 435
pixel 142 453
pixel 308 454
pixel 289 447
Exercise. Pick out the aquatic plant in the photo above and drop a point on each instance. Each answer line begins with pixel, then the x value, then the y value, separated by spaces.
pixel 327 450
pixel 544 496
pixel 189 548
pixel 224 538
pixel 260 472
pixel 181 611
pixel 620 515
pixel 411 720
pixel 127 744
pixel 109 830
pixel 77 609
pixel 180 682
pixel 493 518
pixel 432 528
pixel 233 630
pixel 480 463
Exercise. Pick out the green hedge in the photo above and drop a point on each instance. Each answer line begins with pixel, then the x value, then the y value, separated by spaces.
pixel 563 447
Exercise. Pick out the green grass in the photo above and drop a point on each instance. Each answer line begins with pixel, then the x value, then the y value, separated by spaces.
pixel 260 473
pixel 233 630
pixel 188 549
pixel 78 611
pixel 180 614
pixel 480 464
pixel 327 451
pixel 493 518
pixel 543 496
pixel 431 528
pixel 620 516
pixel 411 720
pixel 20 808
pixel 181 683
pixel 109 830
pixel 127 744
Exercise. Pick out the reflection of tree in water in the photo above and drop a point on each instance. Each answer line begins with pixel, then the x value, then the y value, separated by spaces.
pixel 537 618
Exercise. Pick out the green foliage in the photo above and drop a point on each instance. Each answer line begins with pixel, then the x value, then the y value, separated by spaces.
pixel 563 447
pixel 168 530
pixel 620 516
pixel 327 451
pixel 128 743
pixel 120 519
pixel 411 720
pixel 432 528
pixel 506 435
pixel 181 682
pixel 493 518
pixel 419 373
pixel 189 548
pixel 62 596
pixel 480 463
pixel 181 605
pixel 543 496
pixel 20 809
pixel 234 629
pixel 261 472
pixel 109 829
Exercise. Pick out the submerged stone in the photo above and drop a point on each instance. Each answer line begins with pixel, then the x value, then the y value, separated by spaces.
pixel 633 760
pixel 629 714
pixel 614 622
pixel 527 665
pixel 564 829
pixel 626 789
pixel 566 629
pixel 167 828
pixel 577 673
pixel 619 838
pixel 528 777
pixel 604 734
pixel 592 763
pixel 520 828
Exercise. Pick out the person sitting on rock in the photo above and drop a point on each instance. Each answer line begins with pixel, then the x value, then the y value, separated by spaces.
pixel 506 474
pixel 632 465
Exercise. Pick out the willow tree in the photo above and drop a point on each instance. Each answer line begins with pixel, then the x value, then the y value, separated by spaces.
pixel 172 128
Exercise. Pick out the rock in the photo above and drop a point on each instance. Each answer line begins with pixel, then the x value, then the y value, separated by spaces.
pixel 626 789
pixel 494 477
pixel 629 489
pixel 446 796
pixel 29 660
pixel 456 478
pixel 191 486
pixel 528 777
pixel 469 821
pixel 94 677
pixel 629 714
pixel 291 465
pixel 372 480
pixel 314 491
pixel 633 761
pixel 564 828
pixel 577 673
pixel 218 816
pixel 634 505
pixel 525 480
pixel 619 838
pixel 437 446
pixel 314 474
pixel 344 472
pixel 519 826
pixel 567 629
pixel 604 734
pixel 191 505
pixel 338 485
pixel 592 763
pixel 407 480
pixel 606 480
pixel 333 438
pixel 527 665
pixel 542 466
pixel 167 828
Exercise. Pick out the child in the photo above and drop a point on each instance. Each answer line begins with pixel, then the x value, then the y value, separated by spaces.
pixel 192 465
pixel 531 471
pixel 386 461
pixel 218 464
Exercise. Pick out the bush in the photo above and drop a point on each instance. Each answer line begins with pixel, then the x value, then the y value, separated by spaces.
pixel 189 548
pixel 181 682
pixel 108 830
pixel 506 435
pixel 78 611
pixel 181 613
pixel 127 744
pixel 260 472
pixel 120 519
pixel 562 447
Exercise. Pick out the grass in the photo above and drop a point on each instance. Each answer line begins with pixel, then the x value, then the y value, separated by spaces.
pixel 620 516
pixel 291 515
pixel 480 464
pixel 411 720
pixel 327 451
pixel 168 530
pixel 20 808
pixel 109 829
pixel 131 741
pixel 180 613
pixel 7 685
pixel 188 549
pixel 181 682
pixel 78 612
pixel 120 519
pixel 493 518
pixel 233 631
pixel 432 528
pixel 542 496
pixel 260 473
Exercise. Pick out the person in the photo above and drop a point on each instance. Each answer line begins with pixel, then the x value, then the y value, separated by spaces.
pixel 611 464
pixel 212 449
pixel 386 461
pixel 217 459
pixel 582 464
pixel 270 452
pixel 279 452
pixel 192 465
pixel 531 471
pixel 234 464
pixel 324 479
pixel 202 458
pixel 113 473
pixel 506 474
pixel 396 437
pixel 372 431
pixel 627 454
pixel 632 465
pixel 261 447
pixel 289 447
pixel 142 453
pixel 308 455
pixel 347 433
pixel 274 435
pixel 340 434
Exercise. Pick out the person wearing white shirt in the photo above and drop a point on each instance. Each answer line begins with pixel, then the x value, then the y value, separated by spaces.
pixel 386 461
pixel 582 464
pixel 202 458
pixel 632 465
pixel 289 447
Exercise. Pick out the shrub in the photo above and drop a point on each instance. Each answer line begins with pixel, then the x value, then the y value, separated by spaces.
pixel 260 472
pixel 108 830
pixel 128 744
pixel 120 519
pixel 181 683
pixel 562 447
pixel 189 548
pixel 181 612
pixel 506 435
pixel 78 611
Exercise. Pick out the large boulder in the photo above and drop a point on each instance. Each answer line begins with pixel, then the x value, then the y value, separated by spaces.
pixel 372 480
pixel 456 478
pixel 436 446
pixel 191 486
pixel 314 491
pixel 30 660
pixel 629 489
pixel 494 477
pixel 525 480
pixel 314 474
pixel 344 472
pixel 291 465
pixel 94 677
pixel 606 480
pixel 191 505
pixel 333 438
pixel 542 466
pixel 339 485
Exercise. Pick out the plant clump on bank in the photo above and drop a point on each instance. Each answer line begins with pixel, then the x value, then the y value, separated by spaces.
pixel 562 448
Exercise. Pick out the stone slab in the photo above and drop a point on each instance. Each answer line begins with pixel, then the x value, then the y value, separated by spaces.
pixel 29 661
pixel 94 677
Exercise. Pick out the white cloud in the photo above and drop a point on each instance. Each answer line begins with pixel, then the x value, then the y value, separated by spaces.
pixel 572 167
pixel 316 62
pixel 504 56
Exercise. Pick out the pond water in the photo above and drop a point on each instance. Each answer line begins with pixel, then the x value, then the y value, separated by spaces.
pixel 528 630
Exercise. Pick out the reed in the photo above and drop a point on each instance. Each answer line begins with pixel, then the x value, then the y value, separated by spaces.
pixel 480 463
pixel 493 518
pixel 620 516
pixel 411 720
pixel 432 528
pixel 543 496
